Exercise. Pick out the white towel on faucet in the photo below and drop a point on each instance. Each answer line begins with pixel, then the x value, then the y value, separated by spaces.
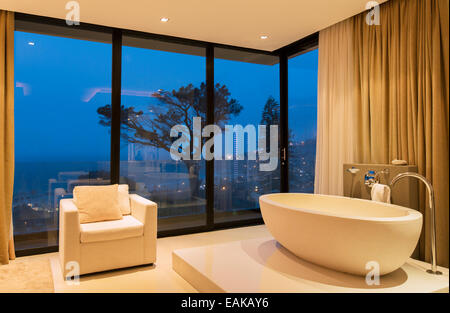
pixel 381 193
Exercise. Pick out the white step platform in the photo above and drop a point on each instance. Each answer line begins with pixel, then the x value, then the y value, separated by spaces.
pixel 263 266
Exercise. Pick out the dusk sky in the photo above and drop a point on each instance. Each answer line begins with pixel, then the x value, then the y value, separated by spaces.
pixel 61 82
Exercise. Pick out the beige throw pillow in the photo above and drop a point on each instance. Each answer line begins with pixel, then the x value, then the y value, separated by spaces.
pixel 97 203
pixel 124 200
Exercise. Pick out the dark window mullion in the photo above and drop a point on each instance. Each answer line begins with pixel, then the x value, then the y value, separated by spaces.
pixel 210 121
pixel 284 125
pixel 116 105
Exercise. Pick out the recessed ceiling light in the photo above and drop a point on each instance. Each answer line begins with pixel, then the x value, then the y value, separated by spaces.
pixel 264 37
pixel 164 19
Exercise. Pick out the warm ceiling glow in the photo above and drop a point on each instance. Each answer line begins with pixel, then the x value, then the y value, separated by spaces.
pixel 264 37
pixel 293 19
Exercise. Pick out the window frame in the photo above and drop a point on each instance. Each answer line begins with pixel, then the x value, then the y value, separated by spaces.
pixel 283 55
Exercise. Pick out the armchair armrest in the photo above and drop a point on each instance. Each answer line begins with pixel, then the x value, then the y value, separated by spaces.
pixel 146 212
pixel 69 233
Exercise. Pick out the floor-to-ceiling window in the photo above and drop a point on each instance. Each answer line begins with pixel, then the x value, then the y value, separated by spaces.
pixel 302 114
pixel 60 85
pixel 63 118
pixel 246 96
pixel 163 85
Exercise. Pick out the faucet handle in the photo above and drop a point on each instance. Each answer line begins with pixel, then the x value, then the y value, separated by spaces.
pixel 370 178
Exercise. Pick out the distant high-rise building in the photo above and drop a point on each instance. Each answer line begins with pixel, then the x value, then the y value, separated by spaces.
pixel 131 151
pixel 235 161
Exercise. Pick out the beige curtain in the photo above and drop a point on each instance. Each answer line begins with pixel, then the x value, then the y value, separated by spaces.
pixel 6 134
pixel 335 110
pixel 400 90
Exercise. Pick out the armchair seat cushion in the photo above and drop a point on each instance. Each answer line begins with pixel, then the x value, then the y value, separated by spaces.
pixel 127 227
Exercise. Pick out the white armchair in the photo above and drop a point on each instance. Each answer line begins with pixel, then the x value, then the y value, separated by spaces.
pixel 108 245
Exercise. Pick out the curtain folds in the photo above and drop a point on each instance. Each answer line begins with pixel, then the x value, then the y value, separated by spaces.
pixel 400 99
pixel 6 134
pixel 336 108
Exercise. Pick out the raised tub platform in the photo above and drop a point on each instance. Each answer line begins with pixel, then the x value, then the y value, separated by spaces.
pixel 263 266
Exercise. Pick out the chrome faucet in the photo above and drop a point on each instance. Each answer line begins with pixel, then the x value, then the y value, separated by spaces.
pixel 432 215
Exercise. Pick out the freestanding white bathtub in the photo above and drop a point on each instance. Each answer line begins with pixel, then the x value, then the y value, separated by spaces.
pixel 340 233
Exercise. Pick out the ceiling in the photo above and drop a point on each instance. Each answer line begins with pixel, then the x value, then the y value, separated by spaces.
pixel 232 22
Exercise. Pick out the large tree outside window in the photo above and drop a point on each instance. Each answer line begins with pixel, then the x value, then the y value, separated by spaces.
pixel 176 107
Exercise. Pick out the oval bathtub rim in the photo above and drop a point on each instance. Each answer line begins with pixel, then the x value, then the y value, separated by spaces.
pixel 411 216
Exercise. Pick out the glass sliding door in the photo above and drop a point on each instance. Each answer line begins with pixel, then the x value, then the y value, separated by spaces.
pixel 302 112
pixel 246 96
pixel 163 85
pixel 60 84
